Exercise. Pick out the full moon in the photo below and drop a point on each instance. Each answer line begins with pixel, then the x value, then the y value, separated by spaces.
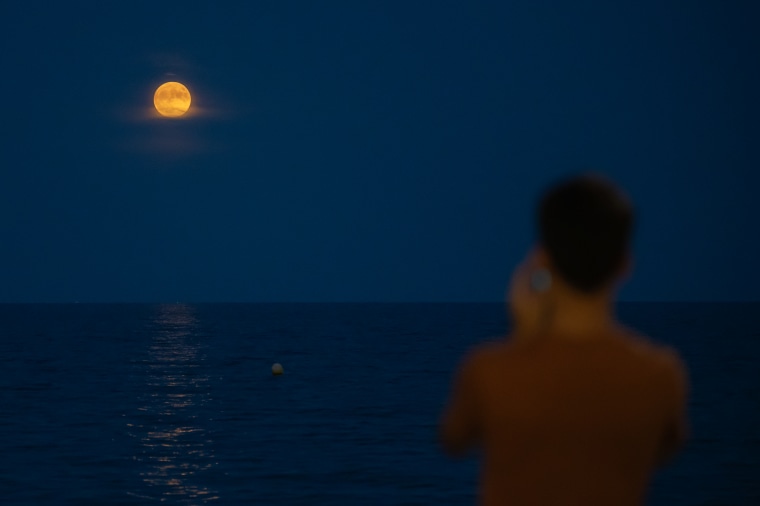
pixel 172 99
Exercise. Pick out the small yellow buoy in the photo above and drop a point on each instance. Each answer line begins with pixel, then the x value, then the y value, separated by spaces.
pixel 276 369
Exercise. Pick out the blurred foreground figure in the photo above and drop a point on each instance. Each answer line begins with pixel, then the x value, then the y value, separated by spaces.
pixel 573 408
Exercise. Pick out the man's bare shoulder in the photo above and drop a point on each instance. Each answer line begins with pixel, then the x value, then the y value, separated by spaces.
pixel 645 350
pixel 658 354
pixel 489 352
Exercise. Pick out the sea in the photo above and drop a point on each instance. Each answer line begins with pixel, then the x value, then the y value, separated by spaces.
pixel 132 404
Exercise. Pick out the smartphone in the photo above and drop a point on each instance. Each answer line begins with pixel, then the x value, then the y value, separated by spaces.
pixel 540 280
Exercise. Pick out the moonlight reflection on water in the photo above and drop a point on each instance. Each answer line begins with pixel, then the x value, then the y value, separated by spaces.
pixel 174 448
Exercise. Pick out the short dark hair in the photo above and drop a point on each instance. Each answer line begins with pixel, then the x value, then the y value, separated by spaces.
pixel 585 226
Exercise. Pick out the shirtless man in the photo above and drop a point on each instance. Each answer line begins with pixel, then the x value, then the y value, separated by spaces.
pixel 573 408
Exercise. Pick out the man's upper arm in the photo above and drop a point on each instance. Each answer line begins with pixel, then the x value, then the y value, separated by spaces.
pixel 460 425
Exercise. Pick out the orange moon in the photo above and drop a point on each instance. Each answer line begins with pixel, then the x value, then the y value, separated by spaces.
pixel 172 99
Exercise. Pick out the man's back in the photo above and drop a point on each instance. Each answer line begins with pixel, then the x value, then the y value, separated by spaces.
pixel 565 421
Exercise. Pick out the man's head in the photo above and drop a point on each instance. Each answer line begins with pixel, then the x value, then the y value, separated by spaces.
pixel 585 226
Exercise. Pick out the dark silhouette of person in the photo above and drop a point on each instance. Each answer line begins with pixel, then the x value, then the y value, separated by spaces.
pixel 572 408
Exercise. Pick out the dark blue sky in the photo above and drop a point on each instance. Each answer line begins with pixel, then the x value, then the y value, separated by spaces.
pixel 368 151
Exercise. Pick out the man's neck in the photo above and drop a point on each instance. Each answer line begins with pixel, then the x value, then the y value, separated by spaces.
pixel 578 317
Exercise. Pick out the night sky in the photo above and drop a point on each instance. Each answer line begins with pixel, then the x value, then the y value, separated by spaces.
pixel 368 151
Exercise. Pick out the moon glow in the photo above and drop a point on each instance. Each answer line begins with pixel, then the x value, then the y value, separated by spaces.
pixel 172 99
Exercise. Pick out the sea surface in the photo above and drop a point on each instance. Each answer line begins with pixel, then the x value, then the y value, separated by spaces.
pixel 176 403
